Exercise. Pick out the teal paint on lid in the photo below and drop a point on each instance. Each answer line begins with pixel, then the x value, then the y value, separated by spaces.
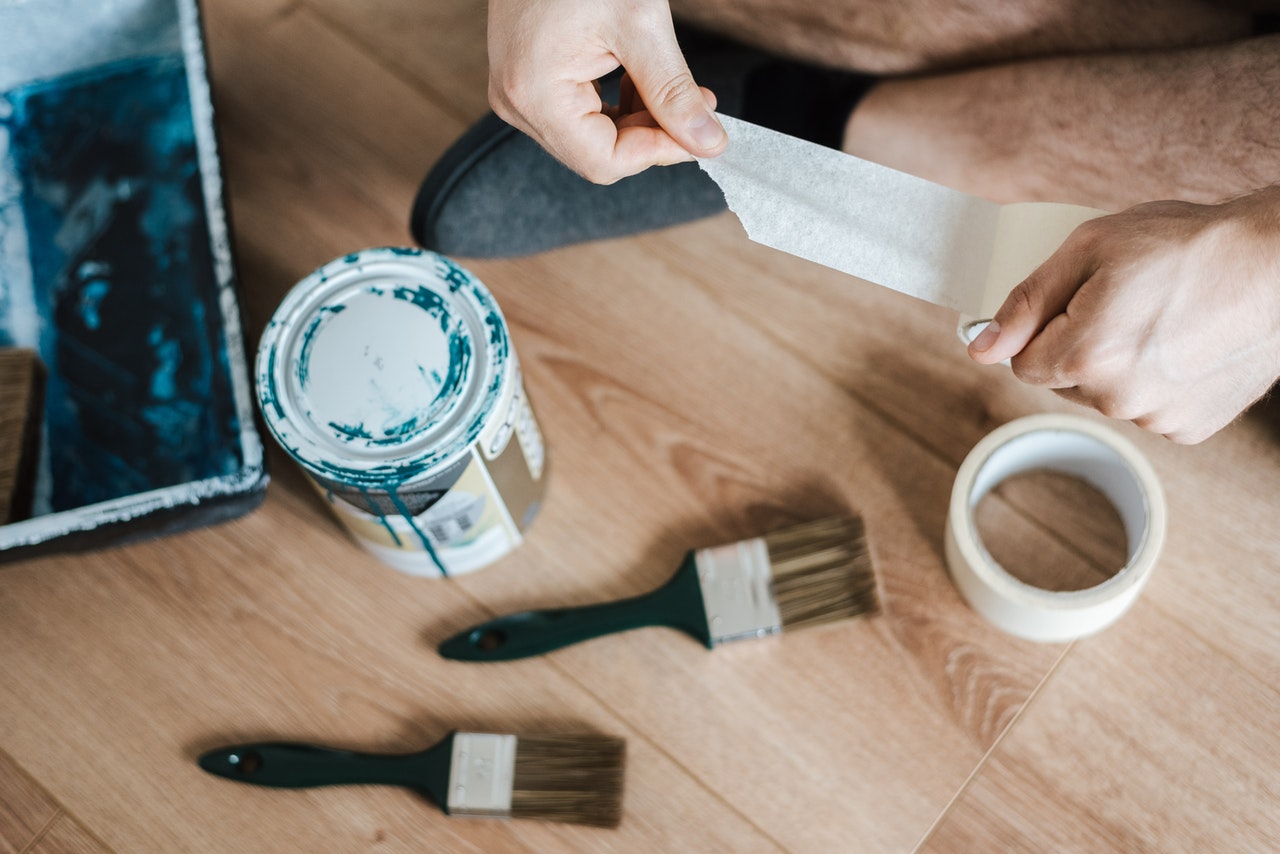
pixel 412 350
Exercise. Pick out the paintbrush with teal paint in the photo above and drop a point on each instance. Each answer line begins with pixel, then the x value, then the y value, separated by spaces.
pixel 806 575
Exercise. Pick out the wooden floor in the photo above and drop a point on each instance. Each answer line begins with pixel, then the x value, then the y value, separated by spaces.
pixel 694 388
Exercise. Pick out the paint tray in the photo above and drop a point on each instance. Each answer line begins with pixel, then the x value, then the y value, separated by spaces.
pixel 115 267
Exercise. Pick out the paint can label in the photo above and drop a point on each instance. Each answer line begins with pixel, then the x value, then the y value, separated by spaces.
pixel 389 376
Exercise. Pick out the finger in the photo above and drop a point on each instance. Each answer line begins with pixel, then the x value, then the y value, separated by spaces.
pixel 566 118
pixel 640 142
pixel 1193 435
pixel 1121 403
pixel 1156 423
pixel 604 147
pixel 628 99
pixel 1046 359
pixel 587 139
pixel 1074 394
pixel 1034 302
pixel 643 118
pixel 1184 428
pixel 647 144
pixel 665 84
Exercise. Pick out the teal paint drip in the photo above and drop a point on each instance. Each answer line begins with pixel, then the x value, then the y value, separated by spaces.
pixel 373 509
pixel 394 495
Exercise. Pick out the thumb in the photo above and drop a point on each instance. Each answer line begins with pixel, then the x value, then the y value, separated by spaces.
pixel 1030 306
pixel 665 84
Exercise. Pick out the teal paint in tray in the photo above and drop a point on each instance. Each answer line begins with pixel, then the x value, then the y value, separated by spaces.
pixel 388 375
pixel 115 267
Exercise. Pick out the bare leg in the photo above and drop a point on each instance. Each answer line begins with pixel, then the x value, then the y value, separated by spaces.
pixel 1098 102
pixel 1197 124
pixel 911 36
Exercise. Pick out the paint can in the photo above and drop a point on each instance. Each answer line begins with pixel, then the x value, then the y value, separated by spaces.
pixel 388 375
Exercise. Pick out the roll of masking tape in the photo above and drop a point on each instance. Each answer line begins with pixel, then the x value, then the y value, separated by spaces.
pixel 1074 446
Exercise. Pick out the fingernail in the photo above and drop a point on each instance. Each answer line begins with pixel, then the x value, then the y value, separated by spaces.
pixel 986 338
pixel 706 131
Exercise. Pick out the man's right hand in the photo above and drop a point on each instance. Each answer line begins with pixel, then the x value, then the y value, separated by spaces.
pixel 1166 314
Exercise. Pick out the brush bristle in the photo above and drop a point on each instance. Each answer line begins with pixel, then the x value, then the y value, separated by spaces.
pixel 569 778
pixel 822 572
pixel 21 402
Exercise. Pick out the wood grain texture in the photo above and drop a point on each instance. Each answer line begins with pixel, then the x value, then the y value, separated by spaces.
pixel 66 836
pixel 694 389
pixel 1184 759
pixel 26 809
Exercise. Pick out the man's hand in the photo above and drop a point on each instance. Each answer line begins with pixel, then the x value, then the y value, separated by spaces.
pixel 544 59
pixel 1166 315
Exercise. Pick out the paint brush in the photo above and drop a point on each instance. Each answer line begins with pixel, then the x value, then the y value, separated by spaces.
pixel 572 777
pixel 801 576
pixel 21 414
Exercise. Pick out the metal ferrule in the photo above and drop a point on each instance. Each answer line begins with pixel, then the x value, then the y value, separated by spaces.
pixel 737 591
pixel 482 774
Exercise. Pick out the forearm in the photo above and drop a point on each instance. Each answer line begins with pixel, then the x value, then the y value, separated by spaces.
pixel 1109 131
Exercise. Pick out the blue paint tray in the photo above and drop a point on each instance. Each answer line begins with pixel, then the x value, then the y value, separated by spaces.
pixel 115 267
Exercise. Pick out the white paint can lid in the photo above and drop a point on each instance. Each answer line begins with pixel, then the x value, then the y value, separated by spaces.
pixel 382 367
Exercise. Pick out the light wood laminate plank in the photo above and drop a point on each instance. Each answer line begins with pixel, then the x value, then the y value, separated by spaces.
pixel 67 836
pixel 1183 759
pixel 26 809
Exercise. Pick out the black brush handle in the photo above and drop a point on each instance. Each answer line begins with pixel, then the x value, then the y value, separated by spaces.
pixel 677 604
pixel 294 766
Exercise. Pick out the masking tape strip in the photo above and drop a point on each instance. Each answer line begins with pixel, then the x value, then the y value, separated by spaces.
pixel 1074 446
pixel 884 226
